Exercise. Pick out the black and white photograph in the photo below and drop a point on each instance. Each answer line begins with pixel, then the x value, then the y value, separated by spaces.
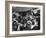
pixel 25 18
